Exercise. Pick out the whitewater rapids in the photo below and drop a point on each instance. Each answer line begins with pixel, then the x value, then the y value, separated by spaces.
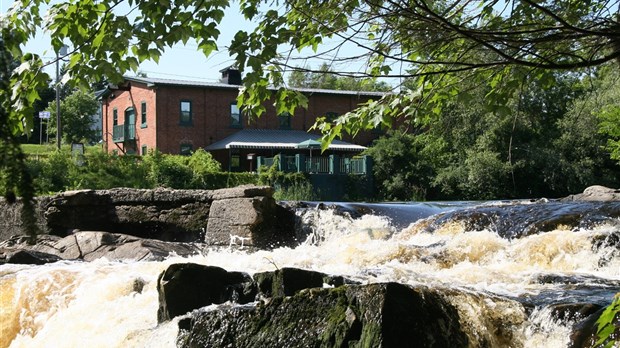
pixel 114 304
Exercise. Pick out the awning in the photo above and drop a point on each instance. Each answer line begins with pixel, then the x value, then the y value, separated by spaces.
pixel 275 139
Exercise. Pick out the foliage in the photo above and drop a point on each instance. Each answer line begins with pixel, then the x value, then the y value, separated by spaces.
pixel 610 125
pixel 325 78
pixel 436 45
pixel 181 171
pixel 297 191
pixel 608 324
pixel 401 170
pixel 543 143
pixel 15 178
pixel 59 171
pixel 359 188
pixel 288 186
pixel 77 111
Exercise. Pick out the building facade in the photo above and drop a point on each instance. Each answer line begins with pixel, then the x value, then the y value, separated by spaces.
pixel 178 117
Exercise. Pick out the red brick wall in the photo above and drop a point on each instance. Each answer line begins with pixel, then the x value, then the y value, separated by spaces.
pixel 210 115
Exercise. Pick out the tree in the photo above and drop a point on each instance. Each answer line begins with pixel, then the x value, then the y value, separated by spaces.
pixel 77 111
pixel 403 171
pixel 325 79
pixel 495 43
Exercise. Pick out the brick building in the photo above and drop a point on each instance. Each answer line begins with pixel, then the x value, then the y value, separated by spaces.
pixel 177 117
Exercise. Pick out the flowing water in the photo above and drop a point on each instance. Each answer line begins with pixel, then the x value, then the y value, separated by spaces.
pixel 114 304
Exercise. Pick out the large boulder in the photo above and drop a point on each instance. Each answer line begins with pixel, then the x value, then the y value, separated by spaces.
pixel 596 193
pixel 249 221
pixel 375 315
pixel 185 287
pixel 164 214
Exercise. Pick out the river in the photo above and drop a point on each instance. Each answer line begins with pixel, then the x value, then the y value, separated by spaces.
pixel 114 304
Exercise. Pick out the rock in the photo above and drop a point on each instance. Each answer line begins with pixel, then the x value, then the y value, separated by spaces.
pixel 375 315
pixel 584 332
pixel 258 222
pixel 11 220
pixel 247 213
pixel 523 219
pixel 31 257
pixel 287 281
pixel 596 193
pixel 89 246
pixel 249 191
pixel 164 214
pixel 186 287
pixel 574 311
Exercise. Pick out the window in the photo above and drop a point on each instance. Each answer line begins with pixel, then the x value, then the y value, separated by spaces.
pixel 235 162
pixel 186 112
pixel 114 117
pixel 235 116
pixel 143 150
pixel 143 114
pixel 186 149
pixel 285 120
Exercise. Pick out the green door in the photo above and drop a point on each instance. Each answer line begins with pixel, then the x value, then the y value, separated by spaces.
pixel 130 124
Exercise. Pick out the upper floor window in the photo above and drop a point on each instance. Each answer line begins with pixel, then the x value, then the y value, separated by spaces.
pixel 285 120
pixel 235 116
pixel 143 114
pixel 186 112
pixel 114 117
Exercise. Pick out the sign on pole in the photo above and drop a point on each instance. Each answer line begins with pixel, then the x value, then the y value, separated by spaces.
pixel 44 115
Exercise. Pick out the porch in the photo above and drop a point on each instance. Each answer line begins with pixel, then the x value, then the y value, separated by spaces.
pixel 332 164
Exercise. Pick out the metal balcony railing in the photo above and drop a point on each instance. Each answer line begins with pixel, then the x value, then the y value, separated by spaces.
pixel 123 132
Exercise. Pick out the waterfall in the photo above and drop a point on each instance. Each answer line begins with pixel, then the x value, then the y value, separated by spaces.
pixel 114 304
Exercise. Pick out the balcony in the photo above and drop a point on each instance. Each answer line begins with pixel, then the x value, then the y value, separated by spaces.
pixel 123 132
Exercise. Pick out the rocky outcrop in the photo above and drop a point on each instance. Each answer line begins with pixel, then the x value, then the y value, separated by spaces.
pixel 254 221
pixel 295 310
pixel 527 218
pixel 247 214
pixel 90 245
pixel 375 315
pixel 595 193
pixel 185 287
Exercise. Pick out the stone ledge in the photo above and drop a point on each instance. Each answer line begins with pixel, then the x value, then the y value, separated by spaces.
pixel 163 214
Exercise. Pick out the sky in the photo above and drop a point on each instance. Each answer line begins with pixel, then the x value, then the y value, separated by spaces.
pixel 183 62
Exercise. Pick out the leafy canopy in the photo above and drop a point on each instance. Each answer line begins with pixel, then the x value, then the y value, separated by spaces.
pixel 434 44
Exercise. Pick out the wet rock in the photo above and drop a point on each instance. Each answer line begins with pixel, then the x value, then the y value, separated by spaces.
pixel 186 287
pixel 31 257
pixel 287 281
pixel 596 193
pixel 518 220
pixel 91 245
pixel 376 315
pixel 574 311
pixel 584 332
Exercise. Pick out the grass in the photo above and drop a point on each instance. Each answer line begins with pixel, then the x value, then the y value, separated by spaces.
pixel 46 149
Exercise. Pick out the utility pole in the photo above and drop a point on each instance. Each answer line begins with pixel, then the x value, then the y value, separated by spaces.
pixel 61 52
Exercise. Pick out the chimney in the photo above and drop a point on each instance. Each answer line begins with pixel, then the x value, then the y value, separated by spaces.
pixel 231 76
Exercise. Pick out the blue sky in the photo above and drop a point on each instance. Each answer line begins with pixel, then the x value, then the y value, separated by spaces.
pixel 183 61
pixel 178 62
